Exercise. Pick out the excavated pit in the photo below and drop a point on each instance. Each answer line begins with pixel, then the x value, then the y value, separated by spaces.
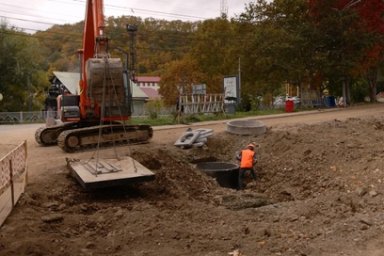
pixel 226 174
pixel 246 127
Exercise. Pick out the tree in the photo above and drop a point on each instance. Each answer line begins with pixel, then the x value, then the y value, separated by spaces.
pixel 178 78
pixel 214 49
pixel 62 43
pixel 371 13
pixel 277 45
pixel 348 33
pixel 22 71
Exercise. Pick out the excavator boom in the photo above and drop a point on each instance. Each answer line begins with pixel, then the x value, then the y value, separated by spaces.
pixel 103 94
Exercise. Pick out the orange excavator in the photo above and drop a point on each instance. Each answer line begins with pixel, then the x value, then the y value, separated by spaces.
pixel 99 113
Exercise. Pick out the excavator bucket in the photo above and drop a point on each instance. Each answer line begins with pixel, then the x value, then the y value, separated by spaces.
pixel 101 173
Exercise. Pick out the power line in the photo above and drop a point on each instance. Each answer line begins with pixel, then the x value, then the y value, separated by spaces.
pixel 134 10
pixel 38 19
pixel 159 12
pixel 82 2
pixel 79 39
pixel 146 34
pixel 30 10
pixel 28 20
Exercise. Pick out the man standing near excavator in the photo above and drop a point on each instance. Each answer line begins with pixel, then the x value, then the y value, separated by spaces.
pixel 247 158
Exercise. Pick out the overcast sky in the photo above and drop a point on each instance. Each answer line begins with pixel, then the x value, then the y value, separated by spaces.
pixel 35 15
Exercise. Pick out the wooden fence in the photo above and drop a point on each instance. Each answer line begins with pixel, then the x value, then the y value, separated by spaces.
pixel 201 103
pixel 13 179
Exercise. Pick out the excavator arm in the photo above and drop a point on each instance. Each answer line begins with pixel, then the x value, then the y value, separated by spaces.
pixel 103 89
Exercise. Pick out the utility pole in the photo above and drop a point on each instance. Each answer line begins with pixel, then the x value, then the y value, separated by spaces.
pixel 239 96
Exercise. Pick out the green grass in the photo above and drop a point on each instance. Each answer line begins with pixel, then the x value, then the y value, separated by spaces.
pixel 187 119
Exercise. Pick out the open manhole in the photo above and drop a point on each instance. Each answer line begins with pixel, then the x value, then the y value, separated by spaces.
pixel 226 174
pixel 246 127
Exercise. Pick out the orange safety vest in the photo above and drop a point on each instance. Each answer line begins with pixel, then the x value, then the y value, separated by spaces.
pixel 247 158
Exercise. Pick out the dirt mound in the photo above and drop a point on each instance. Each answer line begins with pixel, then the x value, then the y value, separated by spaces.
pixel 318 192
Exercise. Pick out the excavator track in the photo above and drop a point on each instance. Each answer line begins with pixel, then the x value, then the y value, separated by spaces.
pixel 78 139
pixel 47 136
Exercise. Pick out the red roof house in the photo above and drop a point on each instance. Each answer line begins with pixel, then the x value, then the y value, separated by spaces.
pixel 152 93
pixel 148 81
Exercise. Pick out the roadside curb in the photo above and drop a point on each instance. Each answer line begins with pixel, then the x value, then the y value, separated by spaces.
pixel 264 117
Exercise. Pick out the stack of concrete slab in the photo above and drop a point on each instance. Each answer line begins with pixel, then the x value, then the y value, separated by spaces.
pixel 194 138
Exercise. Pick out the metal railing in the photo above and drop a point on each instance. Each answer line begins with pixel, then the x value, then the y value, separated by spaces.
pixel 23 117
pixel 41 116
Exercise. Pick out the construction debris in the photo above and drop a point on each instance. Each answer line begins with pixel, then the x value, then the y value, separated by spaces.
pixel 236 253
pixel 194 138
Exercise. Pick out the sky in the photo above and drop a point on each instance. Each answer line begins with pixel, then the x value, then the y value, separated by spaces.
pixel 34 15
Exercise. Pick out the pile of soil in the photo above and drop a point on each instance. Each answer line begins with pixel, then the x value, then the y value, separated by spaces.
pixel 319 191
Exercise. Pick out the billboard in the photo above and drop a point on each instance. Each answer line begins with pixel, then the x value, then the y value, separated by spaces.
pixel 231 88
pixel 199 89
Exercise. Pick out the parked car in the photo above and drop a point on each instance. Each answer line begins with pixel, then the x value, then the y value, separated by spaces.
pixel 279 102
pixel 295 99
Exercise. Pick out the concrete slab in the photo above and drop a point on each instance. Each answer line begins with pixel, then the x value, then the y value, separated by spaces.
pixel 93 174
pixel 204 133
pixel 192 137
pixel 187 139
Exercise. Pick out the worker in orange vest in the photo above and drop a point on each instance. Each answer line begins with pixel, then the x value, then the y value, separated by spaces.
pixel 247 158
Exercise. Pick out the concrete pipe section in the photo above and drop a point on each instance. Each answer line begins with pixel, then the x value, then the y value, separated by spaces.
pixel 246 127
pixel 226 174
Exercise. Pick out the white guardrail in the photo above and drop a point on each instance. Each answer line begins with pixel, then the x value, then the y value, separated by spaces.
pixel 13 179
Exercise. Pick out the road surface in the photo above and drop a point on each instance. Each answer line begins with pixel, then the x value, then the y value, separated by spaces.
pixel 43 158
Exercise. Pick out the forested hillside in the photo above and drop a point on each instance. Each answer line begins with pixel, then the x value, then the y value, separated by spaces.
pixel 311 44
pixel 157 42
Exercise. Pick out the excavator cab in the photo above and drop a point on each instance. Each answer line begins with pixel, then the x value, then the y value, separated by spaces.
pixel 69 108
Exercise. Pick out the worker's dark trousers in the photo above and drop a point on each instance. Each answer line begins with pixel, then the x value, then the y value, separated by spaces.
pixel 242 172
